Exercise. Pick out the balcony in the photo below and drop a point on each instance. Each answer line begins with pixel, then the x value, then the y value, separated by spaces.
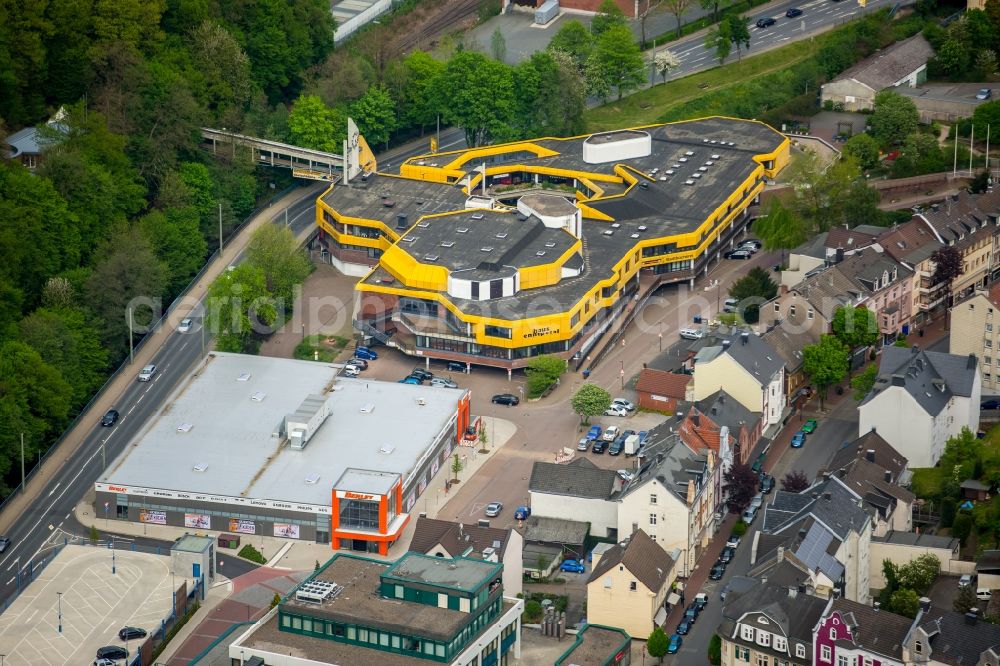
pixel 435 326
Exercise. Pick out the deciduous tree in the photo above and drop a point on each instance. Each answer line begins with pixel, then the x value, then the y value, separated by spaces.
pixel 65 341
pixel 657 643
pixel 677 8
pixel 894 117
pixel 620 59
pixel 826 363
pixel 458 90
pixel 282 262
pixel 590 400
pixel 574 38
pixel 863 382
pixel 315 125
pixel 609 15
pixel 855 327
pixel 864 149
pixel 795 481
pixel 375 114
pixel 240 308
pixel 543 371
pixel 947 266
pixel 663 62
pixel 780 229
pixel 752 290
pixel 740 485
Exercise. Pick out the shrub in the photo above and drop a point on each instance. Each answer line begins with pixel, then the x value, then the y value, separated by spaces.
pixel 532 612
pixel 248 552
pixel 740 528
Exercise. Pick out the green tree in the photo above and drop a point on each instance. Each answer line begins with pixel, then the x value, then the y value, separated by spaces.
pixel 752 290
pixel 178 243
pixel 919 574
pixel 458 91
pixel 543 372
pixel 965 600
pixel 620 59
pixel 920 154
pixel 740 484
pixel 314 125
pixel 863 382
pixel 739 34
pixel 221 69
pixel 239 307
pixel 904 602
pixel 64 340
pixel 949 507
pixel 657 643
pixel 720 39
pixel 375 114
pixel 608 16
pixel 284 265
pixel 418 106
pixel 894 117
pixel 664 62
pixel 590 400
pixel 94 534
pixel 826 363
pixel 961 527
pixel 780 228
pixel 715 650
pixel 822 191
pixel 456 465
pixel 574 39
pixel 855 327
pixel 554 105
pixel 713 6
pixel 677 8
pixel 498 45
pixel 864 149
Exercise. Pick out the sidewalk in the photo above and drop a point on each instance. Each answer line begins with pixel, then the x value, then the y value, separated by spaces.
pixel 58 456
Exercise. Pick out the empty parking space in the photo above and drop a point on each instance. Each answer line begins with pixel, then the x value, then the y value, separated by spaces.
pixel 95 604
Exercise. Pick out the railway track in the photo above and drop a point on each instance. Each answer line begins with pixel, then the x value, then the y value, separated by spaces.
pixel 451 15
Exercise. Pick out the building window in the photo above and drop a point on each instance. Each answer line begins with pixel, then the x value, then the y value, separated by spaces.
pixel 824 652
pixel 652 519
pixel 986 377
pixel 987 360
pixel 746 633
pixel 810 313
pixel 763 638
pixel 780 644
pixel 763 660
pixel 800 650
pixel 989 328
pixel 777 308
pixel 842 660
pixel 652 498
pixel 359 513
pixel 632 586
pixel 988 343
pixel 791 310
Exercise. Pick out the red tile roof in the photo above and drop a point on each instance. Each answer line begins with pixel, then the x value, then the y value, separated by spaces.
pixel 669 384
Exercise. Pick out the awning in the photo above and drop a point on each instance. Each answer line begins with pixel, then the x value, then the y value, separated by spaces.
pixel 673 598
pixel 661 617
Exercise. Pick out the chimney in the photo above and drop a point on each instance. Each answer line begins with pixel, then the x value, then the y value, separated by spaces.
pixel 726 344
pixel 888 476
pixel 690 492
pixel 925 604
pixel 802 588
pixel 877 606
pixel 401 221
pixel 781 554
pixel 840 255
pixel 826 496
pixel 870 455
pixel 713 409
pixel 971 363
pixel 744 337
pixel 793 592
pixel 842 472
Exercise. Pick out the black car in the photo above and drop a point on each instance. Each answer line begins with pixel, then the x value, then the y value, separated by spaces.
pixel 692 612
pixel 4 543
pixel 110 418
pixel 455 366
pixel 616 447
pixel 793 12
pixel 990 404
pixel 765 22
pixel 422 375
pixel 683 628
pixel 726 556
pixel 505 399
pixel 738 254
pixel 600 446
pixel 112 652
pixel 766 483
pixel 717 571
pixel 131 633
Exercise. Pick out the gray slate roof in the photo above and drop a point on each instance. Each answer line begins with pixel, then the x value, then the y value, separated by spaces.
pixel 579 478
pixel 728 411
pixel 954 641
pixel 789 343
pixel 749 351
pixel 879 632
pixel 670 462
pixel 796 615
pixel 918 539
pixel 642 556
pixel 555 530
pixel 932 378
pixel 887 66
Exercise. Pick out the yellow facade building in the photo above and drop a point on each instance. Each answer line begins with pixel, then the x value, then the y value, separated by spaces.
pixel 497 254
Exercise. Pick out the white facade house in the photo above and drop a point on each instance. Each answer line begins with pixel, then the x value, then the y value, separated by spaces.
pixel 578 490
pixel 920 399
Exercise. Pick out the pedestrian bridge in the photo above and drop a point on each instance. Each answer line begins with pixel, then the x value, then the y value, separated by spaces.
pixel 304 162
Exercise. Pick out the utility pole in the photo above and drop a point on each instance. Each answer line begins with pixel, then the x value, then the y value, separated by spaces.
pixel 220 228
pixel 59 595
pixel 22 461
pixel 131 349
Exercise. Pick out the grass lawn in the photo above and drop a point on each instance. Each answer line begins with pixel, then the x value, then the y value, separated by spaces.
pixel 647 106
pixel 320 348
pixel 927 481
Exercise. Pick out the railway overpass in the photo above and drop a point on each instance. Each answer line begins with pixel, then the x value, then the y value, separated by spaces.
pixel 304 162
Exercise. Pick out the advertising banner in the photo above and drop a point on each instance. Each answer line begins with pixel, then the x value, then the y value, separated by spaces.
pixel 242 526
pixel 152 517
pixel 198 521
pixel 286 530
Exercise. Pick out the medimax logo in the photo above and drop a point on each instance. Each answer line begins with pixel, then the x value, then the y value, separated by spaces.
pixel 358 496
pixel 118 489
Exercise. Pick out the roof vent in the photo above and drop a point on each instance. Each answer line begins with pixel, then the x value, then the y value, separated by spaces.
pixel 244 377
pixel 431 257
pixel 696 175
pixel 258 396
pixel 501 235
pixel 409 239
pixel 689 153
pixel 642 227
pixel 615 225
pixel 386 449
pixel 312 478
pixel 682 160
pixel 709 163
pixel 477 216
pixel 663 178
pixel 486 249
pixel 715 157
pixel 423 225
pixel 550 244
pixel 184 427
pixel 540 253
pixel 448 244
pixel 609 232
pixel 368 408
pixel 689 182
pixel 462 230
pixel 633 235
pixel 703 169
pixel 201 467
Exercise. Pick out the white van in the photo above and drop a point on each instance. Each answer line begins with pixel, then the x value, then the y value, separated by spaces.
pixel 692 333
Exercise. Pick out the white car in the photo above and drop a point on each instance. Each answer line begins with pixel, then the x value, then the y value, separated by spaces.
pixel 622 402
pixel 610 434
pixel 185 326
pixel 733 542
pixel 615 410
pixel 692 333
pixel 351 370
pixel 984 594
pixel 147 373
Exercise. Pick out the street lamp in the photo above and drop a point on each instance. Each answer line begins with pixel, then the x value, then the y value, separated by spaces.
pixel 659 337
pixel 59 595
pixel 112 554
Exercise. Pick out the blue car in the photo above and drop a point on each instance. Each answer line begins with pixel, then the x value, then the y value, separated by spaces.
pixel 409 380
pixel 365 353
pixel 572 566
pixel 798 439
pixel 683 628
pixel 675 644
pixel 594 433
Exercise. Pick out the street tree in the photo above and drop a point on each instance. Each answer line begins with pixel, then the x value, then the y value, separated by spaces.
pixel 947 266
pixel 664 61
pixel 620 59
pixel 678 8
pixel 650 7
pixel 894 117
pixel 713 6
pixel 313 124
pixel 863 382
pixel 456 466
pixel 864 149
pixel 590 400
pixel 375 114
pixel 720 39
pixel 795 481
pixel 715 650
pixel 657 644
pixel 740 485
pixel 825 363
pixel 609 15
pixel 275 251
pixel 752 290
pixel 484 118
pixel 543 372
pixel 739 34
pixel 240 308
pixel 598 81
pixel 780 228
pixel 574 38
pixel 855 327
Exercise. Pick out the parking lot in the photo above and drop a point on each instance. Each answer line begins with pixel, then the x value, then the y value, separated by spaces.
pixel 95 603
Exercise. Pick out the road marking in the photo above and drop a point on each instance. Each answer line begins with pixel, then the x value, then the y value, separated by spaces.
pixel 11 580
pixel 55 488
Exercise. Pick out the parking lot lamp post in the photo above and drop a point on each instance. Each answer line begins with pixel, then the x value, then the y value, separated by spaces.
pixel 112 554
pixel 59 596
pixel 173 593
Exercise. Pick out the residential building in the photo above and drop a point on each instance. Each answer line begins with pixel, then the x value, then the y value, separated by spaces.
pixel 902 64
pixel 769 624
pixel 444 538
pixel 988 569
pixel 674 497
pixel 548 541
pixel 457 249
pixel 913 244
pixel 974 332
pixel 875 471
pixel 748 369
pixel 789 341
pixel 578 488
pixel 903 547
pixel 416 610
pixel 723 425
pixel 808 307
pixel 595 644
pixel 920 399
pixel 971 224
pixel 826 531
pixel 886 284
pixel 660 390
pixel 855 634
pixel 27 145
pixel 945 638
pixel 629 584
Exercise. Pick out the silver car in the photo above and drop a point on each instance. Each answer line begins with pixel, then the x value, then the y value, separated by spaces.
pixel 147 373
pixel 493 509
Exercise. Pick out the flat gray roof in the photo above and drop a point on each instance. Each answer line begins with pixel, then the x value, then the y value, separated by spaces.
pixel 217 433
pixel 191 543
pixel 367 481
pixel 463 574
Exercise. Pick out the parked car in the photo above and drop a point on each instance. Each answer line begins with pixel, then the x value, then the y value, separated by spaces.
pixel 110 418
pixel 675 644
pixel 992 403
pixel 717 571
pixel 692 612
pixel 572 566
pixel 493 509
pixel 4 543
pixel 622 402
pixel 131 633
pixel 112 652
pixel 758 464
pixel 422 375
pixel 410 380
pixel 360 362
pixel 505 399
pixel 147 372
pixel 798 439
pixel 610 433
pixel 594 432
pixel 366 353
pixel 738 254
pixel 793 12
pixel 691 333
pixel 185 325
pixel 965 580
pixel 455 366
pixel 727 554
pixel 984 93
pixel 733 541
pixel 616 447
pixel 105 662
pixel 583 444
pixel 444 382
pixel 766 483
pixel 600 446
pixel 765 22
pixel 615 410
pixel 625 475
pixel 984 594
pixel 701 599
pixel 809 427
pixel 351 370
pixel 683 628
pixel 750 514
